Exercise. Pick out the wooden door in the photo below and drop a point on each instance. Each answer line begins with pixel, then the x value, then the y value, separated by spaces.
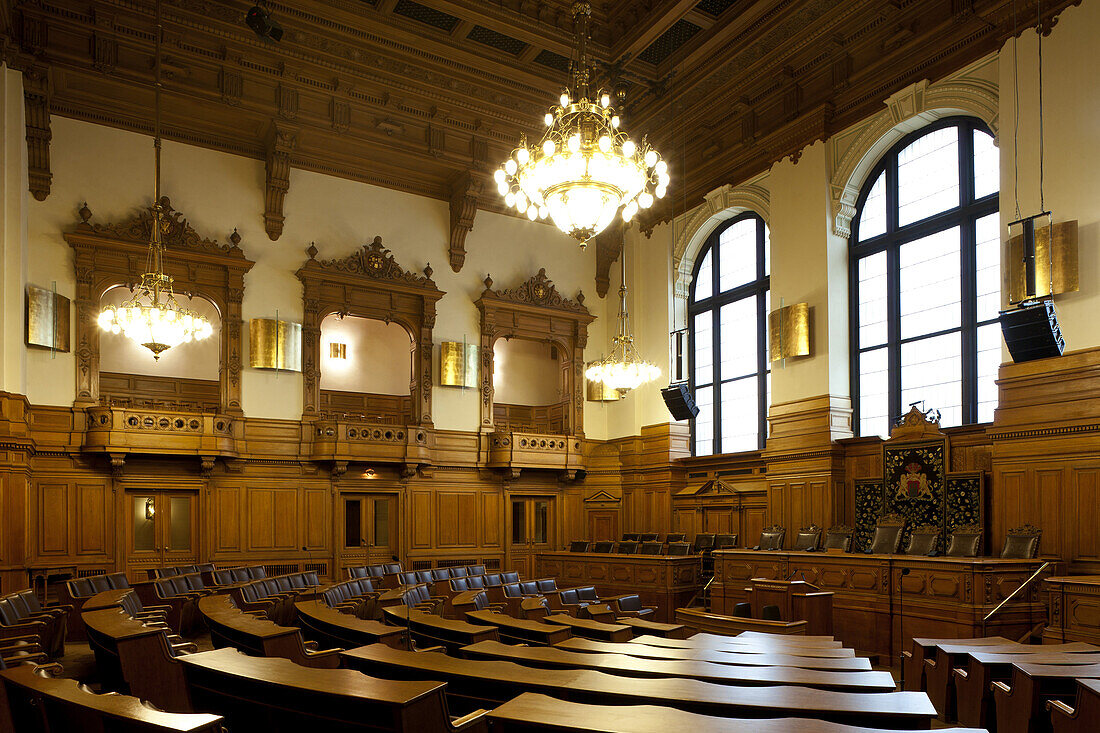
pixel 603 526
pixel 162 530
pixel 370 529
pixel 719 520
pixel 530 532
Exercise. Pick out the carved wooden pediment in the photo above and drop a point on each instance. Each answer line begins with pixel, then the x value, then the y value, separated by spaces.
pixel 176 232
pixel 916 425
pixel 374 261
pixel 538 290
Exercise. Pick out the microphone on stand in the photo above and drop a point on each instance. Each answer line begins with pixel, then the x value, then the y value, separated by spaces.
pixel 901 623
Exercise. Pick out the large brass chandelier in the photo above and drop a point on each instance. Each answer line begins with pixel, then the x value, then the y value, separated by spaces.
pixel 623 369
pixel 153 317
pixel 585 168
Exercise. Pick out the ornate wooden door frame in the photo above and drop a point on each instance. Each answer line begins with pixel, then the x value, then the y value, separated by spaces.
pixel 110 255
pixel 368 283
pixel 535 310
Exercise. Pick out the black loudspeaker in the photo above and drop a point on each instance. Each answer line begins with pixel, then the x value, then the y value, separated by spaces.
pixel 1031 332
pixel 679 401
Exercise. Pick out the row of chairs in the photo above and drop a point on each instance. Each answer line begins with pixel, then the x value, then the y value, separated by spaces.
pixel 25 623
pixel 676 544
pixel 243 574
pixel 275 596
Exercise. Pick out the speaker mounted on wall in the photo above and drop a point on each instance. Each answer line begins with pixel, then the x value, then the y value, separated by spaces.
pixel 1031 331
pixel 679 401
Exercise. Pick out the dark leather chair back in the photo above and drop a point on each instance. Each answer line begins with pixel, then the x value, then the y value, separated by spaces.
pixel 676 537
pixel 587 593
pixel 459 572
pixel 1022 543
pixel 627 548
pixel 839 538
pixel 649 548
pixel 648 537
pixel 772 538
pixel 578 546
pixel 742 610
pixel 923 540
pixel 704 542
pixel 603 547
pixel 887 537
pixel 808 539
pixel 679 548
pixel 630 536
pixel 770 613
pixel 510 576
pixel 965 541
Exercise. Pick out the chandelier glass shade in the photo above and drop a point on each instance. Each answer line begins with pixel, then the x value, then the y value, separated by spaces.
pixel 153 317
pixel 585 169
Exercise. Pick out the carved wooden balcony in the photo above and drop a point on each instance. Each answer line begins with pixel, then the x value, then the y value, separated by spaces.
pixel 123 430
pixel 514 450
pixel 346 440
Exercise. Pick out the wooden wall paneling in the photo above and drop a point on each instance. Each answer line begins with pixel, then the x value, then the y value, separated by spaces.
pixel 1083 513
pixel 316 510
pixel 227 519
pixel 54 515
pixel 94 510
pixel 491 519
pixel 1048 507
pixel 421 520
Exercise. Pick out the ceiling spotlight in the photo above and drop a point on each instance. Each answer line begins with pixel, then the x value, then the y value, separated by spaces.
pixel 259 20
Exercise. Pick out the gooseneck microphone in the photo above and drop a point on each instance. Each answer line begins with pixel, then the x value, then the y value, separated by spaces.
pixel 901 623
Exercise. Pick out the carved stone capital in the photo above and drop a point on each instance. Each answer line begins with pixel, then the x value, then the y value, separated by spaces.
pixel 281 142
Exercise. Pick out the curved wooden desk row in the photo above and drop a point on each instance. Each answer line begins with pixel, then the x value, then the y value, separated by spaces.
pixel 230 626
pixel 748 657
pixel 477 683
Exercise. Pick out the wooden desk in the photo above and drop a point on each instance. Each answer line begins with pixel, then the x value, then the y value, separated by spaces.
pixel 332 628
pixel 230 626
pixel 490 683
pixel 973 696
pixel 434 630
pixel 1083 716
pixel 761 647
pixel 531 713
pixel 32 699
pixel 707 639
pixel 1021 706
pixel 677 630
pixel 1073 604
pixel 722 657
pixel 263 695
pixel 590 629
pixel 796 600
pixel 520 631
pixel 664 581
pixel 941 596
pixel 723 674
pixel 938 676
pixel 923 648
pixel 700 620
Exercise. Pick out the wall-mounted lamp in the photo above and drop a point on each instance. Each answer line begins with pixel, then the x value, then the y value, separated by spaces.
pixel 458 364
pixel 150 509
pixel 369 473
pixel 337 351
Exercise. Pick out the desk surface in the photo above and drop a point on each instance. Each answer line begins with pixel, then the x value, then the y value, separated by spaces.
pixel 748 647
pixel 768 659
pixel 624 665
pixel 705 639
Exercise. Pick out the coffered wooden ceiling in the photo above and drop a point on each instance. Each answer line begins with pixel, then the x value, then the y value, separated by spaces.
pixel 428 96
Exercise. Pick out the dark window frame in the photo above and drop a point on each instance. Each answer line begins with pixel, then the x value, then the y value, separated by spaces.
pixel 964 216
pixel 758 287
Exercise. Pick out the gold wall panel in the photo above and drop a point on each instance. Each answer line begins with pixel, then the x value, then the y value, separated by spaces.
pixel 600 392
pixel 789 332
pixel 47 319
pixel 1064 246
pixel 275 344
pixel 457 364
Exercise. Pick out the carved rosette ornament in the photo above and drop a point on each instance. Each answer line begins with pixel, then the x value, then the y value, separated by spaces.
pixel 368 283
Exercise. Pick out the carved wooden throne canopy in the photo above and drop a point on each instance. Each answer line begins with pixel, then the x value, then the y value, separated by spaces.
pixel 109 255
pixel 535 310
pixel 368 283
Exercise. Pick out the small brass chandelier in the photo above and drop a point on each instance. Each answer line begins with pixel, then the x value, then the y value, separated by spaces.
pixel 153 317
pixel 585 168
pixel 623 369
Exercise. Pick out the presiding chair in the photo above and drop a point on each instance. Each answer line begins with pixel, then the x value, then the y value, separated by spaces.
pixel 630 536
pixel 578 546
pixel 887 536
pixel 648 536
pixel 1022 543
pixel 676 537
pixel 923 540
pixel 704 542
pixel 772 538
pixel 679 548
pixel 650 548
pixel 965 541
pixel 628 548
pixel 839 538
pixel 603 547
pixel 808 539
pixel 725 541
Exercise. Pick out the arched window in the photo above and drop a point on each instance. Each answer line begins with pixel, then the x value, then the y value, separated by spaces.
pixel 926 279
pixel 727 319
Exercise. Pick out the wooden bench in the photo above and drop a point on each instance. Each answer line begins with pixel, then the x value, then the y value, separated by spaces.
pixel 427 628
pixel 476 683
pixel 938 672
pixel 603 612
pixel 590 629
pixel 748 646
pixel 266 695
pixel 520 631
pixel 1083 716
pixel 230 626
pixel 136 658
pixel 700 620
pixel 531 712
pixel 328 626
pixel 973 692
pixel 626 666
pixel 912 659
pixel 1021 703
pixel 777 659
pixel 38 703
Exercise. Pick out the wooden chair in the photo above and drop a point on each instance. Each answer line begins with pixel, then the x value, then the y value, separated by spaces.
pixel 771 538
pixel 648 537
pixel 603 547
pixel 808 539
pixel 704 542
pixel 679 548
pixel 627 548
pixel 723 542
pixel 1022 543
pixel 578 546
pixel 630 536
pixel 923 540
pixel 839 538
pixel 965 541
pixel 887 536
pixel 676 537
pixel 649 548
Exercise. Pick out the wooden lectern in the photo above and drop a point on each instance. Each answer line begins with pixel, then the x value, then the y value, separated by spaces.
pixel 797 601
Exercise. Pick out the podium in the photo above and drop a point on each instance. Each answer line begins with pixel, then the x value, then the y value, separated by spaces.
pixel 797 601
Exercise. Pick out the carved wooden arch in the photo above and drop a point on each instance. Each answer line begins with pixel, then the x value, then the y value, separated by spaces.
pixel 368 283
pixel 535 310
pixel 109 255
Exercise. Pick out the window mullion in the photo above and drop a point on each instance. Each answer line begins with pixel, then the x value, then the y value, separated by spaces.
pixel 968 262
pixel 893 291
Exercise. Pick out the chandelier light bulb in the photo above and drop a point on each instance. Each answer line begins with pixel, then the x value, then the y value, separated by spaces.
pixel 522 156
pixel 615 122
pixel 574 142
pixel 548 148
pixel 509 199
pixel 645 199
pixel 661 168
pixel 499 175
pixel 629 148
pixel 604 143
pixel 510 167
pixel 564 99
pixel 651 159
pixel 521 202
pixel 660 192
pixel 502 188
pixel 532 212
pixel 548 119
pixel 605 101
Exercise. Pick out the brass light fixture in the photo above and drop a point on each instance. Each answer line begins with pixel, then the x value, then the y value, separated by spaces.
pixel 585 168
pixel 789 332
pixel 274 344
pixel 337 351
pixel 458 364
pixel 153 317
pixel 150 508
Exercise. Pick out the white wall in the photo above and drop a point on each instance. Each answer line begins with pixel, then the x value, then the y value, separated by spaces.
pixel 112 170
pixel 526 372
pixel 379 356
pixel 13 231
